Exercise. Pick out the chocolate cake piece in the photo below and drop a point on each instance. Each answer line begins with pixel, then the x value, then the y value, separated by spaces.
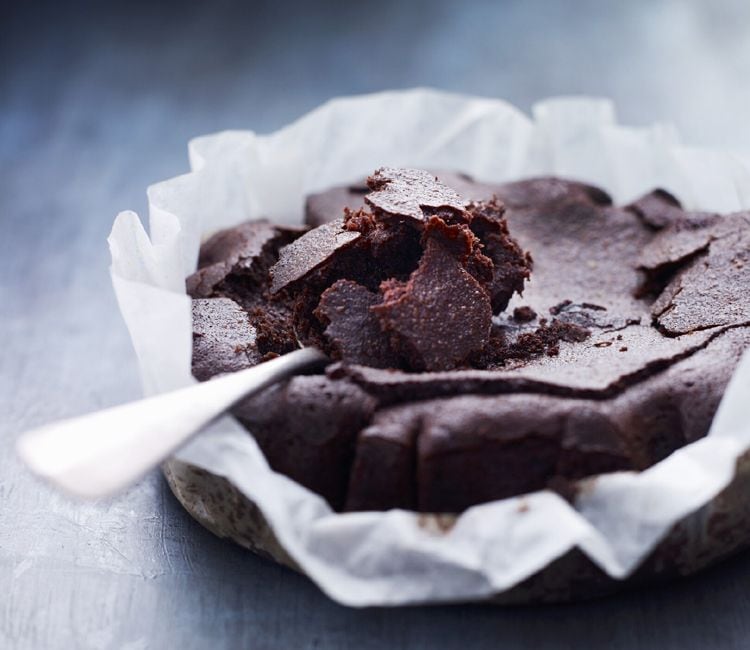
pixel 388 250
pixel 314 248
pixel 307 429
pixel 711 290
pixel 329 205
pixel 412 194
pixel 451 389
pixel 670 250
pixel 240 251
pixel 538 212
pixel 508 276
pixel 235 263
pixel 223 338
pixel 351 327
pixel 440 316
pixel 426 287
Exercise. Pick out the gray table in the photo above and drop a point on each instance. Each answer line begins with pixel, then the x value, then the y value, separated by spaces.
pixel 97 103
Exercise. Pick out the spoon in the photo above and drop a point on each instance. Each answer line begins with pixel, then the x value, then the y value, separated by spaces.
pixel 101 453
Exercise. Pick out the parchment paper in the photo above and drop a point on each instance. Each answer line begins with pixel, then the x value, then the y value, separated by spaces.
pixel 387 558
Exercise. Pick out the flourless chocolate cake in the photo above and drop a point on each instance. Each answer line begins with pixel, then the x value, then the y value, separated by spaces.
pixel 488 340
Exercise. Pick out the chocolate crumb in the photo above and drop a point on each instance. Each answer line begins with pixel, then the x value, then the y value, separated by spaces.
pixel 524 314
pixel 544 340
pixel 560 306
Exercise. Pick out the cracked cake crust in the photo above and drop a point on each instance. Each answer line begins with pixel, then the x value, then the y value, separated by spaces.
pixel 654 310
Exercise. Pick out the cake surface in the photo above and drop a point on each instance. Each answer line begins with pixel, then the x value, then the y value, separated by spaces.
pixel 463 374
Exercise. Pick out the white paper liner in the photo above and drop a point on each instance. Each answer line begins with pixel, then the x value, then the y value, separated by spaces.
pixel 387 558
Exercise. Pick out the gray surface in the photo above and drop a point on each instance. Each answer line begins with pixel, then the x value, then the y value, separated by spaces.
pixel 95 105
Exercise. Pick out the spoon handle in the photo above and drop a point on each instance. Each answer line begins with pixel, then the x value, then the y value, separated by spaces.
pixel 98 454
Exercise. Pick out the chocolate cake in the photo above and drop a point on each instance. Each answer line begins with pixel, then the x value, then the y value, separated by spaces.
pixel 463 372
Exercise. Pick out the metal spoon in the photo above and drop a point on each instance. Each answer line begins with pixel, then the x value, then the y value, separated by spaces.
pixel 98 454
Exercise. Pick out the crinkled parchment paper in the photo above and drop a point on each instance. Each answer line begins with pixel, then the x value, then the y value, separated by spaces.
pixel 387 557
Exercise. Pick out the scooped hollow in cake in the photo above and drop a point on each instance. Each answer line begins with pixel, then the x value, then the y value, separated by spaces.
pixel 461 375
